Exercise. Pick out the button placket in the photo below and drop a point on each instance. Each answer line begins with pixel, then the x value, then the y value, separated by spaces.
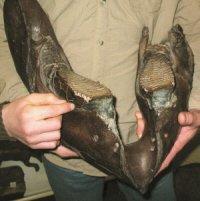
pixel 102 22
pixel 99 38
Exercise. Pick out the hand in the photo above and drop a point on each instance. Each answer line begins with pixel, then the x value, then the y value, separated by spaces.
pixel 64 152
pixel 35 120
pixel 189 122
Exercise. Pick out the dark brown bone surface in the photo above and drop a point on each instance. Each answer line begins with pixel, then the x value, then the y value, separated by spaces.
pixel 91 128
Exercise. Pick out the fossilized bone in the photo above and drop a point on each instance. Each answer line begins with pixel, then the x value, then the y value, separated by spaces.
pixel 163 84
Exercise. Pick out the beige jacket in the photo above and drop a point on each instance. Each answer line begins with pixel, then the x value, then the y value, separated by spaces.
pixel 100 39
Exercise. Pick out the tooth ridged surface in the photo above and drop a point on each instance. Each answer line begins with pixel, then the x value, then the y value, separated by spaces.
pixel 84 87
pixel 157 73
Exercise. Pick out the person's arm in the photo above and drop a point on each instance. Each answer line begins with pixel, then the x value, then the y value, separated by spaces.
pixel 190 126
pixel 188 16
pixel 13 87
pixel 34 119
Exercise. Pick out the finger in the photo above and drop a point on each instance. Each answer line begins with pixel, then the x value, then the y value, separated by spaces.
pixel 44 99
pixel 48 111
pixel 45 145
pixel 140 124
pixel 47 125
pixel 138 115
pixel 164 165
pixel 189 118
pixel 182 139
pixel 175 149
pixel 168 159
pixel 44 137
pixel 64 152
pixel 140 128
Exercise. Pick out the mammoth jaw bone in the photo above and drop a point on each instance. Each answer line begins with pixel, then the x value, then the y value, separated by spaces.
pixel 91 128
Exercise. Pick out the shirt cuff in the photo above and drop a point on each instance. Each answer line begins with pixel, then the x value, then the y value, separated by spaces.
pixel 3 132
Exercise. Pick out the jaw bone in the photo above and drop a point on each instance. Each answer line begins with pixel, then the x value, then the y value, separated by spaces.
pixel 91 128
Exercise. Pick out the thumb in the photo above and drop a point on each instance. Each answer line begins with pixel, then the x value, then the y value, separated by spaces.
pixel 64 152
pixel 140 124
pixel 191 118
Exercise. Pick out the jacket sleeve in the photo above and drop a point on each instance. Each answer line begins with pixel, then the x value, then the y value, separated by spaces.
pixel 11 86
pixel 3 132
pixel 188 16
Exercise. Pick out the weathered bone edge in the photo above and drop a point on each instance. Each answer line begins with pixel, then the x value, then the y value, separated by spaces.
pixel 91 128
